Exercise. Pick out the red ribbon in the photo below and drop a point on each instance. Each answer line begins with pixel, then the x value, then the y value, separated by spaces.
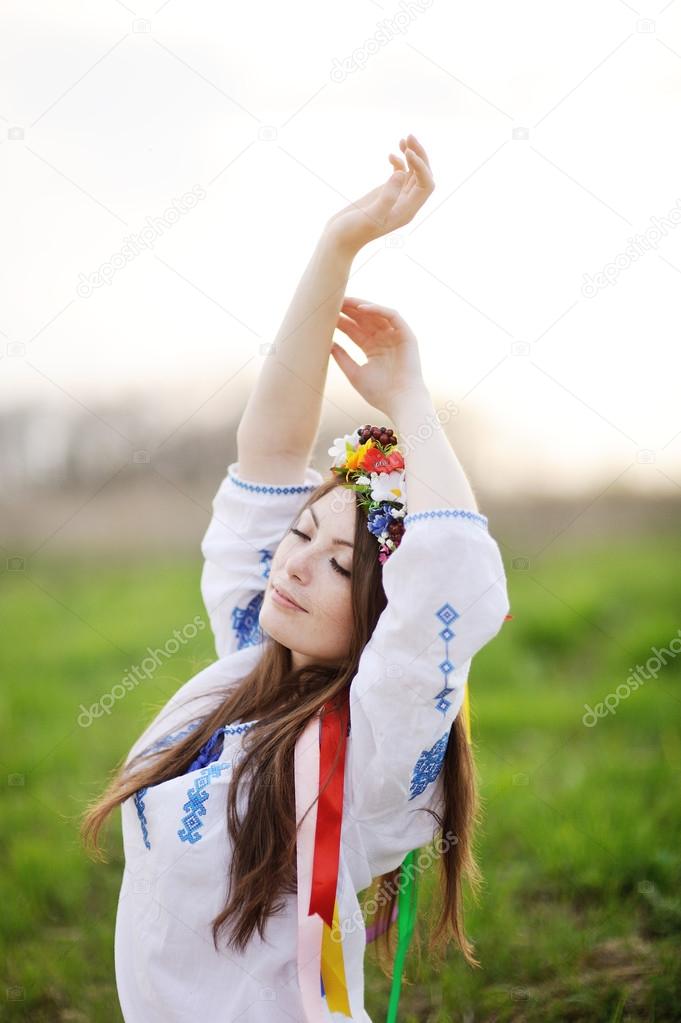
pixel 334 732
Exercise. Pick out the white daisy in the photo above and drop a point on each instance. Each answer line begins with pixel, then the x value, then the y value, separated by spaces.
pixel 339 448
pixel 389 486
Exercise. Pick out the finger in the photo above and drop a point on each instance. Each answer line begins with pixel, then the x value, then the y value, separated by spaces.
pixel 344 321
pixel 358 310
pixel 412 181
pixel 389 193
pixel 420 168
pixel 396 162
pixel 404 145
pixel 364 332
pixel 413 143
pixel 345 362
pixel 391 315
pixel 354 304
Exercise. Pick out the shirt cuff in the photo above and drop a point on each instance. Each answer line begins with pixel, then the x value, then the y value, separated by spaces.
pixel 262 491
pixel 441 513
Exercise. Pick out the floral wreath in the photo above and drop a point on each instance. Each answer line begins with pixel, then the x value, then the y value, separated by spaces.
pixel 370 463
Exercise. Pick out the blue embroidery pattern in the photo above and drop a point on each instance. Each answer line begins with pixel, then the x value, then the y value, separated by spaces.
pixel 446 614
pixel 139 804
pixel 168 740
pixel 441 513
pixel 246 624
pixel 210 751
pixel 265 561
pixel 138 797
pixel 195 807
pixel 260 488
pixel 238 729
pixel 428 766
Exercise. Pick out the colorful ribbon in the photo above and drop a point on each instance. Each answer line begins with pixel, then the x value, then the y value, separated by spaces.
pixel 321 969
pixel 334 730
pixel 332 743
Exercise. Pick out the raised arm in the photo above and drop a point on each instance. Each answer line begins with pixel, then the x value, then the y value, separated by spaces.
pixel 391 381
pixel 447 597
pixel 280 422
pixel 279 425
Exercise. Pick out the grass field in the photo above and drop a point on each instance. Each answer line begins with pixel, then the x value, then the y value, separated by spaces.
pixel 580 916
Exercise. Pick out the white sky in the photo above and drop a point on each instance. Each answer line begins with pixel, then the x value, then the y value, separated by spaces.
pixel 119 118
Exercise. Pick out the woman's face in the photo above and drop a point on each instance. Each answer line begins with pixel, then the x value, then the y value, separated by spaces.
pixel 314 569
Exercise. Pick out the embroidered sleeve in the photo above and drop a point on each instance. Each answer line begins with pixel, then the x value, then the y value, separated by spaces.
pixel 249 519
pixel 447 597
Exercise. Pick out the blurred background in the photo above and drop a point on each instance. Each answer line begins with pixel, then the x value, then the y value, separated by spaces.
pixel 165 172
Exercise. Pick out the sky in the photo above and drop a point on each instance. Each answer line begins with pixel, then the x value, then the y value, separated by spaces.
pixel 166 170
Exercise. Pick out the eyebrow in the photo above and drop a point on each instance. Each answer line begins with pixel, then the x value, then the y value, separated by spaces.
pixel 344 543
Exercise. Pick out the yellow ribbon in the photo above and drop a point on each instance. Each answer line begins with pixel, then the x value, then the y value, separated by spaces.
pixel 333 968
pixel 332 965
pixel 467 712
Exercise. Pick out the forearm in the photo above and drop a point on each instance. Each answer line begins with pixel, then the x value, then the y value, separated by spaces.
pixel 283 411
pixel 434 476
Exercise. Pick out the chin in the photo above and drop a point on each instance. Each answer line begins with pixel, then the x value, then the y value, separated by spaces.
pixel 272 624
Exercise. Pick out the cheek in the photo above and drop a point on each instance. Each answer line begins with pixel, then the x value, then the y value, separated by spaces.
pixel 331 599
pixel 279 558
pixel 340 606
pixel 331 605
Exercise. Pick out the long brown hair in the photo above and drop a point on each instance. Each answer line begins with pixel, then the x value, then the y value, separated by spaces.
pixel 263 862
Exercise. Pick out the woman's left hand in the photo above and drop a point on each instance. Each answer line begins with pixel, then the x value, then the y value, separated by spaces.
pixel 389 206
pixel 393 366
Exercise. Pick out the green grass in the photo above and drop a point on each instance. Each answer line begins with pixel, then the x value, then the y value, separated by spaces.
pixel 580 915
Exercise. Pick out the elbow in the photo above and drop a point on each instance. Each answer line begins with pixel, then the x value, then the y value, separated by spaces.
pixel 490 611
pixel 498 607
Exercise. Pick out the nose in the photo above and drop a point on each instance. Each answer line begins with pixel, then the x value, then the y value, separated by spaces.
pixel 298 563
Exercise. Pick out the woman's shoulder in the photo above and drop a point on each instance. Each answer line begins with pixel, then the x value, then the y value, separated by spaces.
pixel 195 698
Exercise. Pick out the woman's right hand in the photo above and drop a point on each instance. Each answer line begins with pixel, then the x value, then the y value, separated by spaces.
pixel 393 365
pixel 388 207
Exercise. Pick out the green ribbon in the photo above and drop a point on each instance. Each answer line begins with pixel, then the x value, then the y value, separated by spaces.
pixel 406 918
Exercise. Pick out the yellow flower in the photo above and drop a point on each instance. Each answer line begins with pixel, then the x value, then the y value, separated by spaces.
pixel 354 459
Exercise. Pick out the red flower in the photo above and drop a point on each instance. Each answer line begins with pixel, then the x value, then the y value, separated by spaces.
pixel 376 460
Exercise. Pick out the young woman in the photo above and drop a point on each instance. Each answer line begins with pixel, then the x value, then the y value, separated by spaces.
pixel 325 743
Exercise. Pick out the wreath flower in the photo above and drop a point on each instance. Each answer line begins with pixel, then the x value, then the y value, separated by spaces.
pixel 370 464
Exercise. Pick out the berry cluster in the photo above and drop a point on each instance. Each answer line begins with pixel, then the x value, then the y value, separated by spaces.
pixel 383 435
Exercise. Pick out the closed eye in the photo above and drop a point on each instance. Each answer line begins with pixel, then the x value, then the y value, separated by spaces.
pixel 334 563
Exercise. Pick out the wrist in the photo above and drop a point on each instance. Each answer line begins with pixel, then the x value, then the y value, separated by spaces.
pixel 333 242
pixel 408 402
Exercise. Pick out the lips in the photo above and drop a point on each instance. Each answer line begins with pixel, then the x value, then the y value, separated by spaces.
pixel 284 593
